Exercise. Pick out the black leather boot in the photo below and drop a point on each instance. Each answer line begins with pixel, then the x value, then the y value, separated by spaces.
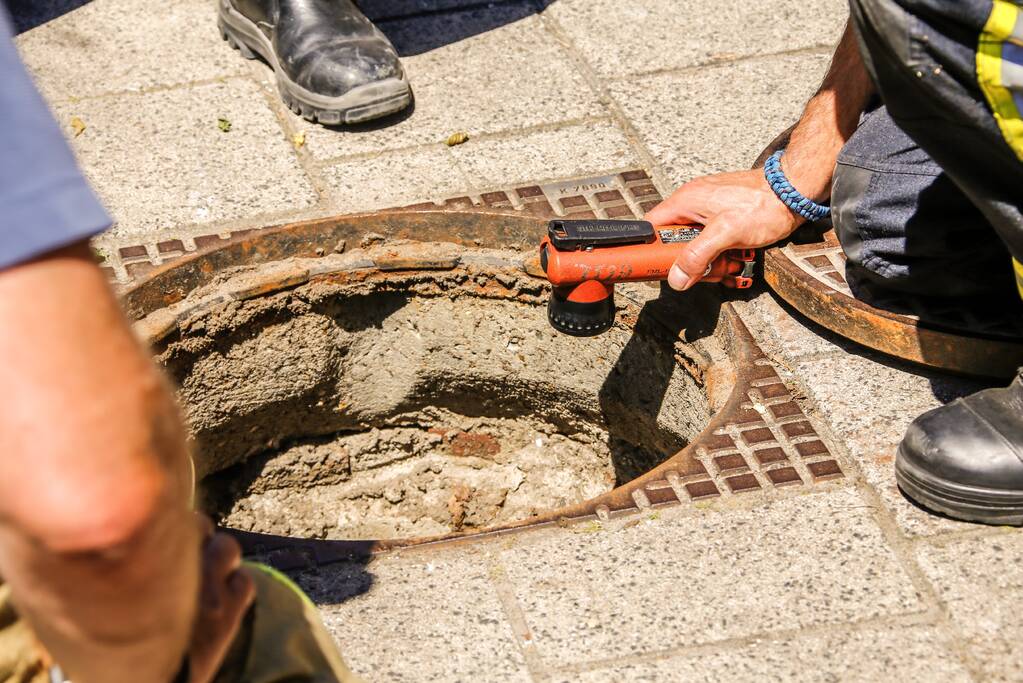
pixel 965 459
pixel 332 64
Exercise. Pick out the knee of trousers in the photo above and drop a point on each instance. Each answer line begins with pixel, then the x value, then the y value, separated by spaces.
pixel 850 186
pixel 915 233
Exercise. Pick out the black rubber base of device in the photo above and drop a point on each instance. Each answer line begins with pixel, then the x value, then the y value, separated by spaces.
pixel 581 319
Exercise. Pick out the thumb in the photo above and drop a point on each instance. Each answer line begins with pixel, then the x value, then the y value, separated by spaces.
pixel 695 258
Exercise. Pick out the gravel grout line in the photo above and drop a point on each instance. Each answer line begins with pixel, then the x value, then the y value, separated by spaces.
pixel 506 134
pixel 305 158
pixel 902 547
pixel 947 538
pixel 516 617
pixel 191 230
pixel 818 49
pixel 152 90
pixel 905 554
pixel 738 643
pixel 646 159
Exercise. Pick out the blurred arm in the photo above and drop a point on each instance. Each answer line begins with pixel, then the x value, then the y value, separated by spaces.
pixel 96 537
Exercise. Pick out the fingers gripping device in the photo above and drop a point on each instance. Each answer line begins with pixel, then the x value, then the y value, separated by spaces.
pixel 583 259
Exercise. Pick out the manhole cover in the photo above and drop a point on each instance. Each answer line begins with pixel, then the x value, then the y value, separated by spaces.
pixel 345 382
pixel 984 340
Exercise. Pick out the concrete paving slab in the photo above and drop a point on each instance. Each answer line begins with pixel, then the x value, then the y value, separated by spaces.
pixel 622 38
pixel 718 118
pixel 110 46
pixel 869 403
pixel 563 152
pixel 980 582
pixel 898 653
pixel 511 77
pixel 785 336
pixel 427 617
pixel 682 580
pixel 160 160
pixel 859 393
pixel 395 179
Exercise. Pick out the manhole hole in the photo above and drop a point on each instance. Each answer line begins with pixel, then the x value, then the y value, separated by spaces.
pixel 418 402
pixel 405 391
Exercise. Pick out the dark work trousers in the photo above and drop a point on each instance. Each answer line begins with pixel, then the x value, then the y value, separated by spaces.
pixel 932 205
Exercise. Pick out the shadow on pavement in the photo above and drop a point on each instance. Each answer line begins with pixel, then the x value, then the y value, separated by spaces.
pixel 634 391
pixel 27 14
pixel 348 576
pixel 412 33
pixel 416 33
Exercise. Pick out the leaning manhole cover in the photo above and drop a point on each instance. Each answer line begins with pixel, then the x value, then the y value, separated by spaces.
pixel 403 390
pixel 982 338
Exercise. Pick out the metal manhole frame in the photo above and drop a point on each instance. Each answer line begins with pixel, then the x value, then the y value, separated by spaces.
pixel 759 439
pixel 828 304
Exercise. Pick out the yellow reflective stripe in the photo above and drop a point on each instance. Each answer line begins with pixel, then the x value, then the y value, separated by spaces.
pixel 281 578
pixel 1000 27
pixel 1017 267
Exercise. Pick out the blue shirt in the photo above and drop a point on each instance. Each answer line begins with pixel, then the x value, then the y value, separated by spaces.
pixel 45 202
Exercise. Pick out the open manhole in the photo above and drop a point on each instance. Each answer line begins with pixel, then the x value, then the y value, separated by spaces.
pixel 406 390
pixel 373 404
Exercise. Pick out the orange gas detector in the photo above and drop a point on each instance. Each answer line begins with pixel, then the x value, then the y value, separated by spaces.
pixel 583 259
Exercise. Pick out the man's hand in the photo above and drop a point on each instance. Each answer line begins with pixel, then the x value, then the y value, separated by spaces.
pixel 739 210
pixel 226 594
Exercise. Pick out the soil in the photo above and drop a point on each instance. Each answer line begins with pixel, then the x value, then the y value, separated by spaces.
pixel 419 403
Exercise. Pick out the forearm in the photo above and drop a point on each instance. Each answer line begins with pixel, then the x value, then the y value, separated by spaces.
pixel 96 537
pixel 828 121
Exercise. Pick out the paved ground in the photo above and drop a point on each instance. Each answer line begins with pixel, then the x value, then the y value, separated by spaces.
pixel 847 583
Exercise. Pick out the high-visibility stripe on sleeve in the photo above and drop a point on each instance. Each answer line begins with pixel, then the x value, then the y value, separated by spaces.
pixel 1017 268
pixel 999 69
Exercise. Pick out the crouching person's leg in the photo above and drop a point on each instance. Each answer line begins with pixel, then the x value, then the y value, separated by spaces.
pixel 906 228
pixel 949 74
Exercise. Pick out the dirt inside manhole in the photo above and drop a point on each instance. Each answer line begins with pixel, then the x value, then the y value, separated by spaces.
pixel 367 404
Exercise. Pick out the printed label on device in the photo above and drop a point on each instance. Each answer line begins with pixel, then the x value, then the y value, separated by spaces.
pixel 669 236
pixel 582 234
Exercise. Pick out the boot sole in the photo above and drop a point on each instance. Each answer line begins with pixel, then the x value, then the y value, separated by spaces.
pixel 363 103
pixel 968 503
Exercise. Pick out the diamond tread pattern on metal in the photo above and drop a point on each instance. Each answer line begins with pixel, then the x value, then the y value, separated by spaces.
pixel 760 440
pixel 969 340
pixel 617 195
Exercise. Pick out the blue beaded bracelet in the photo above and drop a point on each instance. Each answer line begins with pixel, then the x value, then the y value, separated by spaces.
pixel 804 206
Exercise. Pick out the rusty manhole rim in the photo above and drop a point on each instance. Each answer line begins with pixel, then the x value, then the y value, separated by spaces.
pixel 681 478
pixel 892 334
